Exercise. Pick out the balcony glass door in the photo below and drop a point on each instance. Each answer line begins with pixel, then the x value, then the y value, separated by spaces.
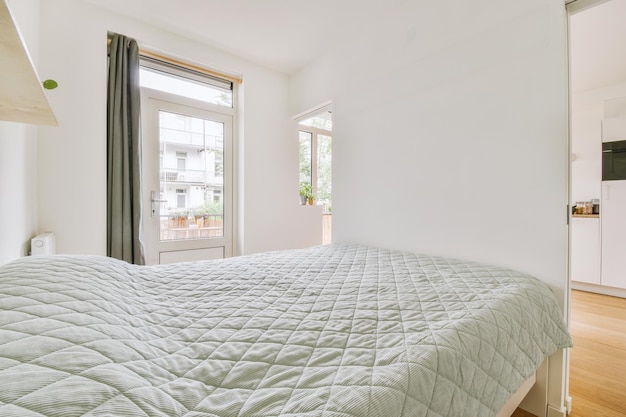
pixel 188 179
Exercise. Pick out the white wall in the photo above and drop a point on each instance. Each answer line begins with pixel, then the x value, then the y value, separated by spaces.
pixel 587 115
pixel 72 175
pixel 450 133
pixel 18 152
pixel 18 193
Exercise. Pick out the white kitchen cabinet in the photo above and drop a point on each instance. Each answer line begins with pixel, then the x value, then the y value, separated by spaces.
pixel 585 252
pixel 613 129
pixel 613 215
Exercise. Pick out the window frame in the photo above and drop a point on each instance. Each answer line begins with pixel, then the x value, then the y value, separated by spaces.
pixel 326 107
pixel 233 112
pixel 314 132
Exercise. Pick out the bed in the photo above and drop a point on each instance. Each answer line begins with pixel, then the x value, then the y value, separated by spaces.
pixel 340 330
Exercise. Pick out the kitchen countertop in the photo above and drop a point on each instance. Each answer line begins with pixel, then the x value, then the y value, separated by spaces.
pixel 587 216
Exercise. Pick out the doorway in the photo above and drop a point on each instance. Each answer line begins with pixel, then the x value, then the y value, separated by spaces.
pixel 190 186
pixel 597 97
pixel 597 118
pixel 187 164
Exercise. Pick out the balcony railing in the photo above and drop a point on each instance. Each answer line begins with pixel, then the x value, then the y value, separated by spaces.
pixel 181 227
pixel 191 176
pixel 206 226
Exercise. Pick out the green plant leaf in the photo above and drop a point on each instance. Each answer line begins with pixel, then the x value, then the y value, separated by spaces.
pixel 50 84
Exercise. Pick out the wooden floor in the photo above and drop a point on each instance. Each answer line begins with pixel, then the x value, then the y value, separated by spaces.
pixel 521 413
pixel 598 359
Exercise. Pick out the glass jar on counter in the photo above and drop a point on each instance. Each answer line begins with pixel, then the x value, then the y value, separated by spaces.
pixel 580 207
pixel 588 207
pixel 595 204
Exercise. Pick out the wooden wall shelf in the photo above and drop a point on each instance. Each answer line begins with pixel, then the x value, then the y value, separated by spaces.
pixel 22 97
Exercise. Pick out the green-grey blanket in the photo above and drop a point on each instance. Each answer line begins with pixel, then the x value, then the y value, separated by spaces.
pixel 339 330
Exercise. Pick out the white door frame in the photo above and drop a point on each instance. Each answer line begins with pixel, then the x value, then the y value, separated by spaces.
pixel 152 102
pixel 571 7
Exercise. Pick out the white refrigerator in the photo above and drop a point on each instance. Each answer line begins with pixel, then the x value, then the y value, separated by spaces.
pixel 613 234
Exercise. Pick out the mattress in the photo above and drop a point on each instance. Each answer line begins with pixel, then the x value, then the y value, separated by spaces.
pixel 338 330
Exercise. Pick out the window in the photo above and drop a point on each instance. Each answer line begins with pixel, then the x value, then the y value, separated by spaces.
pixel 218 158
pixel 169 78
pixel 181 161
pixel 315 154
pixel 315 151
pixel 324 169
pixel 306 141
pixel 181 199
pixel 194 147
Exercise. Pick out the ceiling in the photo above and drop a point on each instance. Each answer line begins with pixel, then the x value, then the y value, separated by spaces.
pixel 284 35
pixel 598 46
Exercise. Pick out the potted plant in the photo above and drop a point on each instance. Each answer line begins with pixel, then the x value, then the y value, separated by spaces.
pixel 306 194
pixel 201 216
pixel 181 218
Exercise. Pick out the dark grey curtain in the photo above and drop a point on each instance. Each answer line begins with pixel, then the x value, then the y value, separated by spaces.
pixel 123 152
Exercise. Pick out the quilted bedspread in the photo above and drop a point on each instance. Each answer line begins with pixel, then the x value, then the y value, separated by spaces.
pixel 339 330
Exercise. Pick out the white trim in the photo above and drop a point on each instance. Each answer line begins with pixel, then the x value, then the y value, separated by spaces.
pixel 560 382
pixel 568 404
pixel 558 365
pixel 237 239
pixel 314 111
pixel 553 412
pixel 575 6
pixel 536 401
pixel 599 289
pixel 188 101
pixel 517 397
pixel 314 130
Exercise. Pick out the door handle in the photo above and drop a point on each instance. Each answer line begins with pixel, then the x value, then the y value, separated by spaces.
pixel 154 202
